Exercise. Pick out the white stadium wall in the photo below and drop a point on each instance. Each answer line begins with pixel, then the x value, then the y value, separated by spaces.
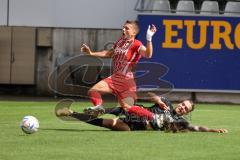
pixel 69 13
pixel 3 12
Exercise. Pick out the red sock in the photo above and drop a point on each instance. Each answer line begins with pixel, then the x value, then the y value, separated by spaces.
pixel 141 112
pixel 95 97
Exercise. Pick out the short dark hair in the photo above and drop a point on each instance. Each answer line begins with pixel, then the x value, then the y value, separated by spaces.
pixel 135 24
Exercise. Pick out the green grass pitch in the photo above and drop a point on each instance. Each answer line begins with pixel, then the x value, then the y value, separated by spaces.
pixel 59 140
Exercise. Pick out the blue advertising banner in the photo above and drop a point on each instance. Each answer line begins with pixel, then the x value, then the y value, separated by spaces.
pixel 199 52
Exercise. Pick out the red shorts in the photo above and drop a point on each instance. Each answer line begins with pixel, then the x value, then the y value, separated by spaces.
pixel 122 86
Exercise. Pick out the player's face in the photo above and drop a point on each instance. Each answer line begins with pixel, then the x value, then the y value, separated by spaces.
pixel 128 31
pixel 183 108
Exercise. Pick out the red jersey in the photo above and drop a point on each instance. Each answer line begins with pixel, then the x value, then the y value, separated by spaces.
pixel 126 55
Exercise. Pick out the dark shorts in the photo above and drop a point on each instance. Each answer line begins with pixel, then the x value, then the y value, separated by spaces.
pixel 135 125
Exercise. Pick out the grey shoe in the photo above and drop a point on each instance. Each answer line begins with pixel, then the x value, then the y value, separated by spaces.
pixel 63 108
pixel 63 112
pixel 95 111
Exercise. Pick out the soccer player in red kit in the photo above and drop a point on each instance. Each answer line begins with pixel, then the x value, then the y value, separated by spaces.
pixel 125 53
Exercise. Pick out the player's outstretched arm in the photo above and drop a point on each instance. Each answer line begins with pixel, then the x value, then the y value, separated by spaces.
pixel 156 99
pixel 148 50
pixel 105 53
pixel 205 129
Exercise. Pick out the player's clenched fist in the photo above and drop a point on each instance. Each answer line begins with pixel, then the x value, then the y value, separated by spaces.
pixel 85 48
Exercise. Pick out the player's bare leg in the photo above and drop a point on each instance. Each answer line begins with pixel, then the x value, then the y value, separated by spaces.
pixel 95 94
pixel 97 90
pixel 115 124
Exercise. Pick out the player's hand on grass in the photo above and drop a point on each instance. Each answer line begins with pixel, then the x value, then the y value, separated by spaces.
pixel 155 98
pixel 222 131
pixel 150 32
pixel 85 48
